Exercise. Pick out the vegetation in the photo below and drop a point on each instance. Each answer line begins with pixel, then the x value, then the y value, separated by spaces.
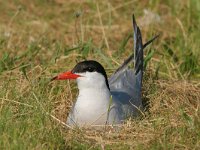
pixel 41 38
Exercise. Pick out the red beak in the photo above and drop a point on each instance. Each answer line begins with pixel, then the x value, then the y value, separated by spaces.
pixel 65 76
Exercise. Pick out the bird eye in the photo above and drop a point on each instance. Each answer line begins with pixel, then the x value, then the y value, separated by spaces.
pixel 90 69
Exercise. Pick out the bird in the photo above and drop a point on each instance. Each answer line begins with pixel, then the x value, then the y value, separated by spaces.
pixel 108 101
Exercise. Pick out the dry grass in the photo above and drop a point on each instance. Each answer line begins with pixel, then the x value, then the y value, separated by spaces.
pixel 41 38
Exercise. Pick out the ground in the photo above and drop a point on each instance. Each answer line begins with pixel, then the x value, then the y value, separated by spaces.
pixel 41 38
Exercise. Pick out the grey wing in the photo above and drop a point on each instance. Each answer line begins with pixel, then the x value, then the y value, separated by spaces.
pixel 125 84
pixel 126 87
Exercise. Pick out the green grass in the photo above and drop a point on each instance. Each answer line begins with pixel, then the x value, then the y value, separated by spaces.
pixel 39 39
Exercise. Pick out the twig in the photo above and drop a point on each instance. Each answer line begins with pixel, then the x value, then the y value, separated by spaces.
pixel 102 28
pixel 16 102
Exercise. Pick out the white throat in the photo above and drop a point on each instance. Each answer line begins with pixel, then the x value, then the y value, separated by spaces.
pixel 91 80
pixel 93 100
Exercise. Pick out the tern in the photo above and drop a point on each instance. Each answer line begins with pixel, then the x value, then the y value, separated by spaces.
pixel 103 101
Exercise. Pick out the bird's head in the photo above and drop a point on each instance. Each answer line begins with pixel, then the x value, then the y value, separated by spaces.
pixel 89 74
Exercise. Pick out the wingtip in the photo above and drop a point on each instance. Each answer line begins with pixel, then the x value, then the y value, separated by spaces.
pixel 133 18
pixel 54 78
pixel 134 22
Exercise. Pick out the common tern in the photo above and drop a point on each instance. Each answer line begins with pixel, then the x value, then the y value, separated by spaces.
pixel 110 101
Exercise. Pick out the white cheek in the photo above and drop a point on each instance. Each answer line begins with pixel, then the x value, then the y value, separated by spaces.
pixel 90 80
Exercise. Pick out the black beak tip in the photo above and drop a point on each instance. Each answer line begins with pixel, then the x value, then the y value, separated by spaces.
pixel 54 78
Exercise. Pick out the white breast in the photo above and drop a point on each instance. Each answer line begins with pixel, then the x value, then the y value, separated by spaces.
pixel 94 104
